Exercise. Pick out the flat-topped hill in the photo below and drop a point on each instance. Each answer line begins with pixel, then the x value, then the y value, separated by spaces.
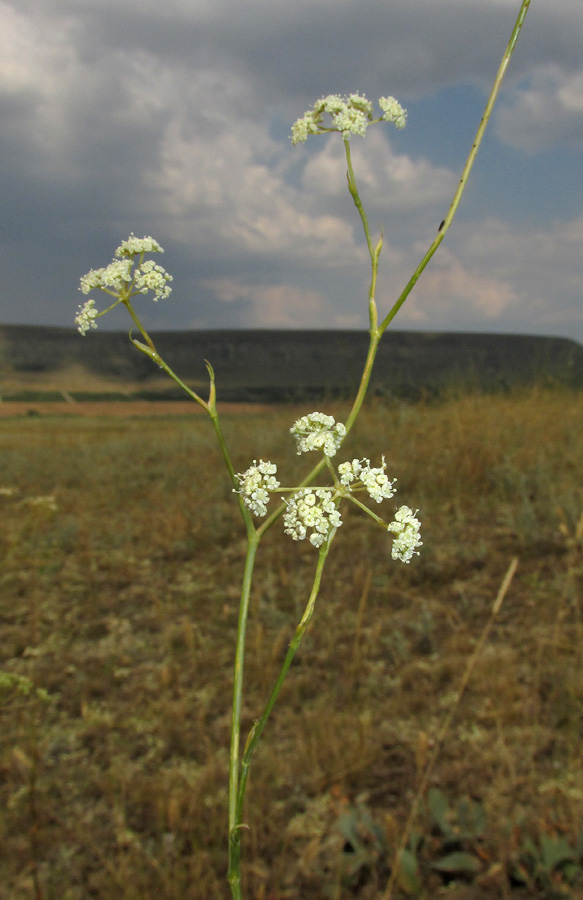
pixel 279 365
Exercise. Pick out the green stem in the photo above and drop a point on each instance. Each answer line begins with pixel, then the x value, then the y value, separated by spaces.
pixel 375 336
pixel 253 539
pixel 210 407
pixel 466 170
pixel 257 729
pixel 234 871
pixel 353 190
pixel 374 252
pixel 150 350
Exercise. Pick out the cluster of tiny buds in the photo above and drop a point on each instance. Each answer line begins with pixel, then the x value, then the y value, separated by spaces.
pixel 256 483
pixel 135 245
pixel 360 474
pixel 318 432
pixel 118 280
pixel 349 115
pixel 314 511
pixel 406 527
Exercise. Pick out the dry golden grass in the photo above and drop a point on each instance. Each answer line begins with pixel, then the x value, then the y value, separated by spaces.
pixel 122 603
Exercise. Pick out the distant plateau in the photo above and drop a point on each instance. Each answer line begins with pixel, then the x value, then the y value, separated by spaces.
pixel 275 366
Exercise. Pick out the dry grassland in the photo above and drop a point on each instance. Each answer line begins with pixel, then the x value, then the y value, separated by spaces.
pixel 122 604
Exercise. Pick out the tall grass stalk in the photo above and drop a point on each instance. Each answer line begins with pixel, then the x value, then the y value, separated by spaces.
pixel 309 506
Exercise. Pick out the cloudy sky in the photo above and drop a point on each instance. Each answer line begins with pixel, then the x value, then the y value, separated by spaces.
pixel 172 119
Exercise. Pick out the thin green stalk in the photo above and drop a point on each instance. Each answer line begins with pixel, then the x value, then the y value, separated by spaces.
pixel 466 170
pixel 210 407
pixel 150 350
pixel 375 336
pixel 374 252
pixel 234 871
pixel 253 539
pixel 257 729
pixel 356 406
pixel 352 189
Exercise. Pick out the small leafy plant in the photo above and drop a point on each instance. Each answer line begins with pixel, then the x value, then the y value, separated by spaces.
pixel 550 861
pixel 457 835
pixel 313 508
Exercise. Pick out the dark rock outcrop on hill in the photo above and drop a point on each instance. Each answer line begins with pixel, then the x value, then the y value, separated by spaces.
pixel 284 365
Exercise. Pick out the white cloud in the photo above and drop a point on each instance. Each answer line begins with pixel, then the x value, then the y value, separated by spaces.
pixel 227 194
pixel 396 189
pixel 546 111
pixel 276 305
pixel 453 288
pixel 495 276
pixel 167 119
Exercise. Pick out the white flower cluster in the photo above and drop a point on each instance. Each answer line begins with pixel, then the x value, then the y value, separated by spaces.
pixel 406 528
pixel 350 115
pixel 135 245
pixel 393 112
pixel 113 278
pixel 360 473
pixel 317 431
pixel 85 318
pixel 314 509
pixel 256 484
pixel 152 277
pixel 117 278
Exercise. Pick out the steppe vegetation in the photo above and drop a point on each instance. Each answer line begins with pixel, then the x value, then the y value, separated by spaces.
pixel 121 561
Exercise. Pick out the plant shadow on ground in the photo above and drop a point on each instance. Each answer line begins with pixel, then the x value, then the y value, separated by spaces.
pixel 122 603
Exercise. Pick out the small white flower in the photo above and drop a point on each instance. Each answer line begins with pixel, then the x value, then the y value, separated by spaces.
pixel 349 115
pixel 135 245
pixel 118 280
pixel 314 509
pixel 393 111
pixel 257 482
pixel 152 277
pixel 86 317
pixel 376 482
pixel 406 528
pixel 317 431
pixel 115 277
pixel 360 473
pixel 302 128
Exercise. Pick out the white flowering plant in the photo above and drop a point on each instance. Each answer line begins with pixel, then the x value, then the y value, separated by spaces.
pixel 121 280
pixel 308 510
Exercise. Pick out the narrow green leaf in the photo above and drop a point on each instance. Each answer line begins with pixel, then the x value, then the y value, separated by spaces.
pixel 460 861
pixel 438 808
pixel 408 877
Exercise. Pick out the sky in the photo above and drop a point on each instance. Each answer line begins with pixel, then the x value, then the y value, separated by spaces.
pixel 173 120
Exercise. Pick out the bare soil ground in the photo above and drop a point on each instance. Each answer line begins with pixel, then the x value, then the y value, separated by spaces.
pixel 116 409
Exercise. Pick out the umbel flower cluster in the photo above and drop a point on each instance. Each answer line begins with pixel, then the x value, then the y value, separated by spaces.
pixel 121 280
pixel 314 512
pixel 348 115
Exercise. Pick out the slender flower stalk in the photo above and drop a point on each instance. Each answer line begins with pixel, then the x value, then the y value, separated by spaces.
pixel 234 873
pixel 407 531
pixel 443 228
pixel 308 510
